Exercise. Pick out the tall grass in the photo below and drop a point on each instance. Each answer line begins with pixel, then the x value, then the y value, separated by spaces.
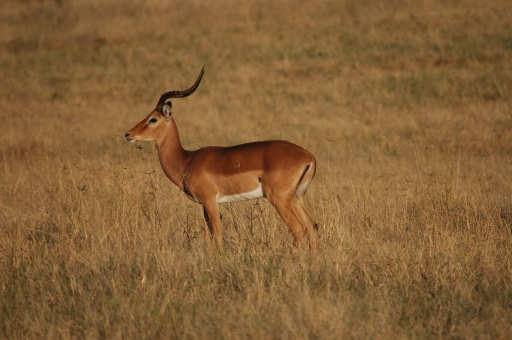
pixel 406 105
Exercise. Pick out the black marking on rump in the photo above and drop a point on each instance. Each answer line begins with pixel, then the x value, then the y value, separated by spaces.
pixel 303 174
pixel 300 191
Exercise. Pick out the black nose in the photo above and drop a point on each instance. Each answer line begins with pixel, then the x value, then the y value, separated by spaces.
pixel 127 135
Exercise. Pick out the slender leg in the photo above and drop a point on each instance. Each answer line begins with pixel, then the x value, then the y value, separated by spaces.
pixel 207 219
pixel 296 215
pixel 283 206
pixel 212 218
pixel 306 210
pixel 300 209
pixel 207 229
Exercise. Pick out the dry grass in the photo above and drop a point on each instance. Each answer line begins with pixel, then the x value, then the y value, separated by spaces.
pixel 407 106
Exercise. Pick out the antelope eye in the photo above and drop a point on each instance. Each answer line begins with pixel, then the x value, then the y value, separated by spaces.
pixel 153 120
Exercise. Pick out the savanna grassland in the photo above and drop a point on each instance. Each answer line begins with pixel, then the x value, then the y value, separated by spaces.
pixel 407 106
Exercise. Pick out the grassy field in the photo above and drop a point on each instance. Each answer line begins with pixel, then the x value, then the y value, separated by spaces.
pixel 407 106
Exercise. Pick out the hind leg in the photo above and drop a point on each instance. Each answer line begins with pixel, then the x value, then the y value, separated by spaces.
pixel 308 213
pixel 300 209
pixel 282 203
pixel 292 213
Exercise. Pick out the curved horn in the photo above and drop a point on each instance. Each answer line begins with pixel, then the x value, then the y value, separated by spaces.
pixel 178 94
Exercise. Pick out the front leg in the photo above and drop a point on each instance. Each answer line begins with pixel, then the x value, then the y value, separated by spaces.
pixel 212 218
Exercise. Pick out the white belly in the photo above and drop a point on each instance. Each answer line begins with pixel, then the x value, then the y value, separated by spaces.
pixel 250 195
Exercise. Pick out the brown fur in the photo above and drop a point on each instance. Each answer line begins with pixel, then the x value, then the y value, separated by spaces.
pixel 209 173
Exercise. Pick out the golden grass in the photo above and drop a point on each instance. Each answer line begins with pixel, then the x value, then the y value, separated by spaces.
pixel 406 105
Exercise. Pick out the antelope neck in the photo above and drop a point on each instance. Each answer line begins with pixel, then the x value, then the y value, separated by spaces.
pixel 173 157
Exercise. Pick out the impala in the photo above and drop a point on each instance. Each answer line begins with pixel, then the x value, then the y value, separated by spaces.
pixel 276 169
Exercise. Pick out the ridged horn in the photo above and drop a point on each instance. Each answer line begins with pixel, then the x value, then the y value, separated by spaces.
pixel 178 94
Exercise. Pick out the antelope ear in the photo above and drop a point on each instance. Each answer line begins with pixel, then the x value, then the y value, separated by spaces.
pixel 167 110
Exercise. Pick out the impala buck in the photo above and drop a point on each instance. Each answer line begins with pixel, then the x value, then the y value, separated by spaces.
pixel 278 170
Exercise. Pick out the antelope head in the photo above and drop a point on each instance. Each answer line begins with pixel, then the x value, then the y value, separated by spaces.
pixel 153 126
